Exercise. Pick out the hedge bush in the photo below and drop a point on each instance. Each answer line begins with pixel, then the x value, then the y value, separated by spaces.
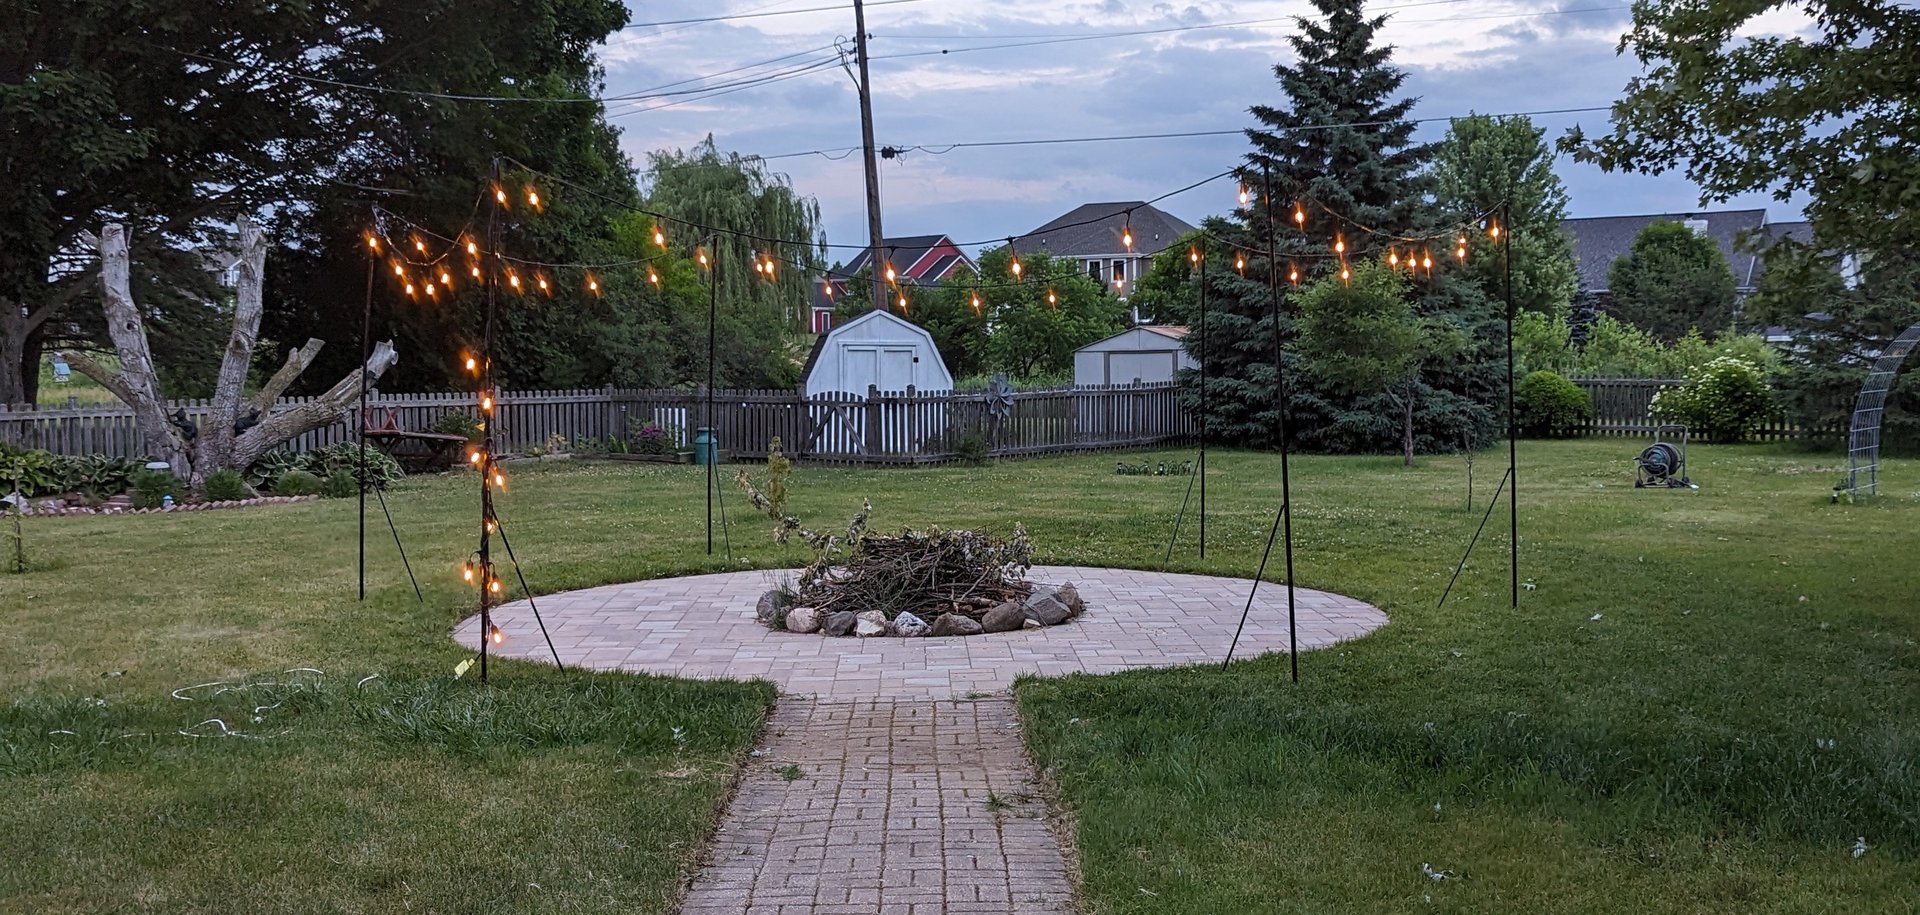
pixel 1547 404
pixel 297 483
pixel 1724 401
pixel 224 486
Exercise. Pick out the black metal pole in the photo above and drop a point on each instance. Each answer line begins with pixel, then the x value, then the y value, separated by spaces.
pixel 713 312
pixel 1513 463
pixel 366 331
pixel 1286 445
pixel 1203 401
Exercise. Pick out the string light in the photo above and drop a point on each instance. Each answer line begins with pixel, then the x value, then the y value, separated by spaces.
pixel 1460 248
pixel 1243 195
pixel 533 198
pixel 659 237
pixel 703 257
pixel 1493 230
pixel 473 365
pixel 472 249
pixel 542 280
pixel 903 301
pixel 1239 263
pixel 491 527
pixel 892 277
pixel 593 285
pixel 769 267
pixel 446 279
pixel 373 242
pixel 1193 256
pixel 513 279
pixel 397 271
pixel 1293 274
pixel 827 287
pixel 466 571
pixel 486 403
pixel 1345 273
pixel 420 246
pixel 500 196
pixel 494 586
pixel 1126 235
pixel 476 271
pixel 1053 301
pixel 499 480
pixel 1339 244
pixel 1393 258
pixel 1426 261
pixel 495 634
pixel 429 290
pixel 473 457
pixel 653 277
pixel 409 289
pixel 976 301
pixel 1299 216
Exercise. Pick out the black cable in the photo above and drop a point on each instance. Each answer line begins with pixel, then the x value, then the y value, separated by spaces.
pixel 522 575
pixel 1491 505
pixel 379 492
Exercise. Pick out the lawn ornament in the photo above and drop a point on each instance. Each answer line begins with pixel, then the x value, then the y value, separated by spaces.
pixel 1663 463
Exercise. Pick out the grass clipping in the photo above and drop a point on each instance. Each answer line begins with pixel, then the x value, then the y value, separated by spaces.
pixel 927 573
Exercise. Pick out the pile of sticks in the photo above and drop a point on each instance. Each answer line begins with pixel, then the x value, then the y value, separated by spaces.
pixel 926 573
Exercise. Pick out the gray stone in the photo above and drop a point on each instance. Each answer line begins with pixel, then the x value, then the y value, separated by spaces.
pixel 1031 624
pixel 911 626
pixel 803 619
pixel 764 611
pixel 839 622
pixel 870 623
pixel 1070 595
pixel 1004 618
pixel 1048 611
pixel 955 624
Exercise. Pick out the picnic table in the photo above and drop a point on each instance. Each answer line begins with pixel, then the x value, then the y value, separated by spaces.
pixel 415 452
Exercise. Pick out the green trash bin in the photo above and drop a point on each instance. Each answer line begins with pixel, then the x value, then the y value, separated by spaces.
pixel 705 446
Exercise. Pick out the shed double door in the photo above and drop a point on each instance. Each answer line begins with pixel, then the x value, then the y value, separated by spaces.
pixel 891 365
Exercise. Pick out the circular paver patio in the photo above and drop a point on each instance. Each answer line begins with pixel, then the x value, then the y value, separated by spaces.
pixel 702 626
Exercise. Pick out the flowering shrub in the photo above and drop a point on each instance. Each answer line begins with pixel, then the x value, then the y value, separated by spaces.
pixel 1724 400
pixel 652 438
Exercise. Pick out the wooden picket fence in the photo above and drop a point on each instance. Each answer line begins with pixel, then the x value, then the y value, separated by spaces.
pixel 881 427
pixel 1620 408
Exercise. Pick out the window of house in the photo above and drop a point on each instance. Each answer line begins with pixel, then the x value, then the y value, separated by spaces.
pixel 1093 269
pixel 1119 271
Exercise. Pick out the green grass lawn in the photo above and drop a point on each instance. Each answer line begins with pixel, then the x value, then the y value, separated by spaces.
pixel 1646 733
pixel 1661 758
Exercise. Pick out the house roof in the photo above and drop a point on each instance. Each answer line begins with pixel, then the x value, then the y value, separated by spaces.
pixel 1096 228
pixel 909 256
pixel 1167 332
pixel 1600 240
pixel 1175 331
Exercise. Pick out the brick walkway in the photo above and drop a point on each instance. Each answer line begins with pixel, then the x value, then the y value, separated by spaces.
pixel 702 626
pixel 904 808
pixel 893 779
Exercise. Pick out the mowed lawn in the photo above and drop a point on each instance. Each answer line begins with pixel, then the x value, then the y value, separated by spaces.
pixel 1704 702
pixel 1669 756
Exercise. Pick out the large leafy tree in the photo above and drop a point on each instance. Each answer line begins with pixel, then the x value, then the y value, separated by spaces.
pixel 1363 336
pixel 1041 317
pixel 1832 111
pixel 1341 150
pixel 1671 281
pixel 1503 168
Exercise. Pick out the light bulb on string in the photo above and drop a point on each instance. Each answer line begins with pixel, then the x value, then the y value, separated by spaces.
pixel 476 271
pixel 1243 195
pixel 1339 244
pixel 703 257
pixel 1193 256
pixel 1493 230
pixel 446 279
pixel 430 288
pixel 826 286
pixel 486 403
pixel 1293 274
pixel 491 527
pixel 493 585
pixel 473 365
pixel 513 279
pixel 1460 249
pixel 659 237
pixel 653 277
pixel 1346 274
pixel 473 457
pixel 500 196
pixel 542 281
pixel 409 290
pixel 1393 258
pixel 976 301
pixel 494 634
pixel 533 198
pixel 397 270
pixel 757 266
pixel 1239 263
pixel 903 301
pixel 892 277
pixel 593 285
pixel 420 246
pixel 472 249
pixel 769 268
pixel 1299 216
pixel 499 480
pixel 373 242
pixel 1426 261
pixel 1126 236
pixel 1053 301
pixel 466 572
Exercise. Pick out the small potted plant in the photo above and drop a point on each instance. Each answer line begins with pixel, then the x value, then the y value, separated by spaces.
pixel 654 442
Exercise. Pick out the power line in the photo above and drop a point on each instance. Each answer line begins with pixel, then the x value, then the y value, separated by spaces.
pixel 739 16
pixel 940 149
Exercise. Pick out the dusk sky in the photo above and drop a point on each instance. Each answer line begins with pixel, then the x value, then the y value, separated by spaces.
pixel 1461 56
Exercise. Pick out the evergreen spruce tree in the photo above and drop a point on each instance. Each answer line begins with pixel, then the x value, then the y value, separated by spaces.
pixel 1340 151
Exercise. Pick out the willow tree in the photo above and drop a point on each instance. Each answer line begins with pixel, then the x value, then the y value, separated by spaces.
pixel 237 429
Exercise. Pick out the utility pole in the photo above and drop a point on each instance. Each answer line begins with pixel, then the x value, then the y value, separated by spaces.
pixel 874 238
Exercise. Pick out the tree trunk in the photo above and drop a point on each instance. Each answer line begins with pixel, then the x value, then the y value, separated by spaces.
pixel 214 443
pixel 13 358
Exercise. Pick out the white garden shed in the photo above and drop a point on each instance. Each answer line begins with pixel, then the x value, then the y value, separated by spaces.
pixel 877 350
pixel 1147 354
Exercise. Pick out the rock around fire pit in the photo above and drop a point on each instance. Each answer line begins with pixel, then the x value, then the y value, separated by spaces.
pixel 1041 607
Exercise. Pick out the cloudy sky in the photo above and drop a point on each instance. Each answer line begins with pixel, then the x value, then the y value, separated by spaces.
pixel 770 85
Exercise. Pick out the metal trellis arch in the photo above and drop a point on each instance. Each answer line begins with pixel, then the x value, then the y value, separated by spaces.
pixel 1863 440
